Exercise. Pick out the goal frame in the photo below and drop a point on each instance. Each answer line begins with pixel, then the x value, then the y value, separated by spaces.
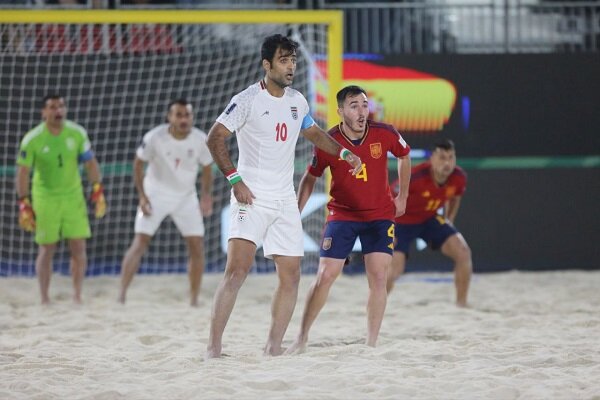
pixel 333 19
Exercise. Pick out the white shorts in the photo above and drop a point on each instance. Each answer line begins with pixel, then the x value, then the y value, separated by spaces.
pixel 184 211
pixel 275 224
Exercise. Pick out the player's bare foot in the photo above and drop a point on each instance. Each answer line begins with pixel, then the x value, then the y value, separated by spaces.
pixel 46 301
pixel 273 350
pixel 194 303
pixel 77 300
pixel 212 352
pixel 298 347
pixel 462 304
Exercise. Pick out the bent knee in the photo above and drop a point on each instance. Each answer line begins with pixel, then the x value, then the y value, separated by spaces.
pixel 290 279
pixel 235 276
pixel 196 249
pixel 457 248
pixel 379 275
pixel 140 243
pixel 78 253
pixel 79 257
pixel 463 252
pixel 377 279
pixel 47 250
pixel 327 277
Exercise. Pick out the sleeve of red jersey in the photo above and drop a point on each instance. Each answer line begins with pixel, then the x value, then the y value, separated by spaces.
pixel 399 147
pixel 318 163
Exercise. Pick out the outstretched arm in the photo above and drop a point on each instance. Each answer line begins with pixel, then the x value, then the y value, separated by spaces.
pixel 324 142
pixel 404 177
pixel 305 189
pixel 220 153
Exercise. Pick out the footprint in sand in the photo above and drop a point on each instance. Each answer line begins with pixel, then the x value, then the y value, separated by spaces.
pixel 150 340
pixel 272 385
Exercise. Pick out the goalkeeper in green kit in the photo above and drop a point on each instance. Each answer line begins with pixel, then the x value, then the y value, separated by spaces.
pixel 55 208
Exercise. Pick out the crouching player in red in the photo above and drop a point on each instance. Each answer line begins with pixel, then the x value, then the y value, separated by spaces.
pixel 434 184
pixel 361 206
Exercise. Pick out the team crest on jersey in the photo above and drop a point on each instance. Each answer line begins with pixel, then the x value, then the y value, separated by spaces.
pixel 70 143
pixel 426 193
pixel 242 215
pixel 375 150
pixel 450 191
pixel 190 153
pixel 327 243
pixel 294 112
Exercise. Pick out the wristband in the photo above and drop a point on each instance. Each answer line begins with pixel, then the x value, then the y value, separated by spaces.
pixel 97 187
pixel 233 177
pixel 344 152
pixel 24 203
pixel 97 191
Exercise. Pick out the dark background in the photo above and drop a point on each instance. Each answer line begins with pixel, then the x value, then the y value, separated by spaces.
pixel 546 104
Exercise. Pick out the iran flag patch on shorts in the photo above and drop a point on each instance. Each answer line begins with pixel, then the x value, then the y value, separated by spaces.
pixel 242 215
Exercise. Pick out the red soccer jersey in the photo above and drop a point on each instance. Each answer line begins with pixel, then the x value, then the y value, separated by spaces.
pixel 366 196
pixel 425 196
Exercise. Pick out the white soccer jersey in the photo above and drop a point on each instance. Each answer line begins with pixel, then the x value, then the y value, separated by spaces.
pixel 172 163
pixel 267 130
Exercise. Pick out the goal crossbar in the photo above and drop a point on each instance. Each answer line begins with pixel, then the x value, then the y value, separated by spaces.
pixel 333 19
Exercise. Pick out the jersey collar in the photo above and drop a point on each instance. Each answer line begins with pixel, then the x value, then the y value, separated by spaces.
pixel 348 139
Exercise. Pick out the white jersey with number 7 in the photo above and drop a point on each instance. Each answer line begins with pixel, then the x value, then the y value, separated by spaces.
pixel 173 164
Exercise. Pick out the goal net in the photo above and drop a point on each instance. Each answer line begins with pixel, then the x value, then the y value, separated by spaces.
pixel 117 75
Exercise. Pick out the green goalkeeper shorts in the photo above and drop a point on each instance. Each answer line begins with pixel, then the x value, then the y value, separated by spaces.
pixel 60 217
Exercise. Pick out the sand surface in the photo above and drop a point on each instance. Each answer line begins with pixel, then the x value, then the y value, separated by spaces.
pixel 527 336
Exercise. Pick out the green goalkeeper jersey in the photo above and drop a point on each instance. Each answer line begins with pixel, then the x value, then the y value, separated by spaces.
pixel 55 158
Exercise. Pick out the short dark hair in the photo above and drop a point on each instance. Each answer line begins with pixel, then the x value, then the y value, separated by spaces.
pixel 51 96
pixel 181 101
pixel 272 43
pixel 351 90
pixel 444 144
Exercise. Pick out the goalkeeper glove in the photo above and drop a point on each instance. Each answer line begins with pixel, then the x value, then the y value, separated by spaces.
pixel 98 200
pixel 26 215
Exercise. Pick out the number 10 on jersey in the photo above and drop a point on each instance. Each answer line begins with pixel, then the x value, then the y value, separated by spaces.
pixel 281 130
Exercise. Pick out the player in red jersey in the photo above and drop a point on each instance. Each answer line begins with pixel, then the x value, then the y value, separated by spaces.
pixel 361 206
pixel 434 184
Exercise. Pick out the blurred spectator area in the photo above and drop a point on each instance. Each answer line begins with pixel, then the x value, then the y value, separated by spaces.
pixel 416 26
pixel 89 39
pixel 469 26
